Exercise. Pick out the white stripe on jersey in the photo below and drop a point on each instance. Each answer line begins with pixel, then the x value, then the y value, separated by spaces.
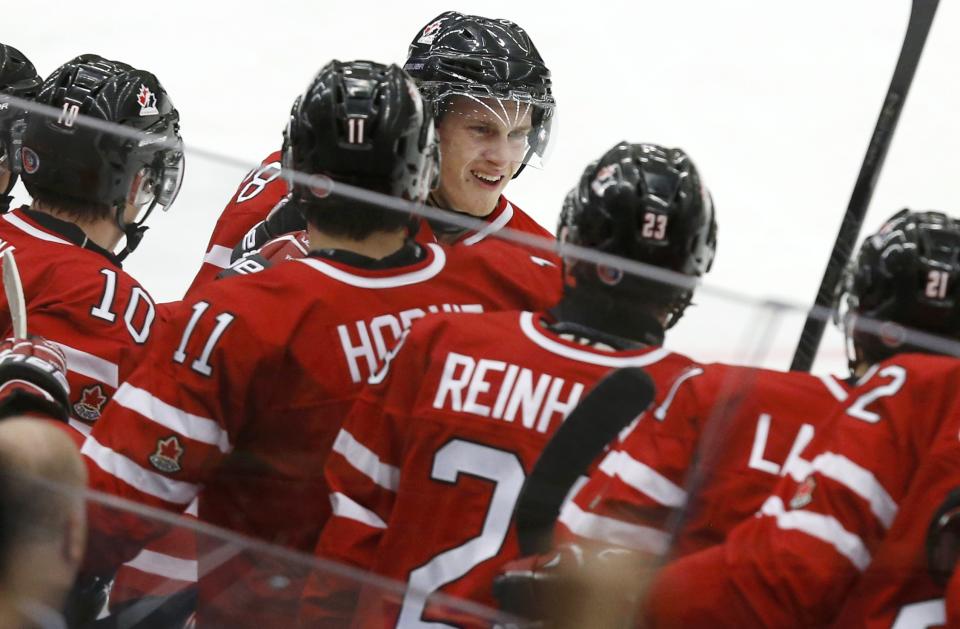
pixel 22 225
pixel 643 478
pixel 218 256
pixel 345 507
pixel 366 461
pixel 834 387
pixel 400 279
pixel 823 527
pixel 661 412
pixel 90 365
pixel 595 358
pixel 166 566
pixel 860 481
pixel 191 426
pixel 611 531
pixel 493 227
pixel 140 478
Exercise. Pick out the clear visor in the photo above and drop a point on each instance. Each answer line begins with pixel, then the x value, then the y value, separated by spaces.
pixel 156 186
pixel 511 127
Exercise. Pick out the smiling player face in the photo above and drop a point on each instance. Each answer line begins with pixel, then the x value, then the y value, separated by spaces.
pixel 482 144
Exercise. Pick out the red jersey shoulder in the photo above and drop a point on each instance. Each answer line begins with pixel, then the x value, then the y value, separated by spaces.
pixel 262 187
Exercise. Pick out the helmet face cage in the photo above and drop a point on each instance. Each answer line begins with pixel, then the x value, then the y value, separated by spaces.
pixel 487 69
pixel 364 124
pixel 907 274
pixel 645 203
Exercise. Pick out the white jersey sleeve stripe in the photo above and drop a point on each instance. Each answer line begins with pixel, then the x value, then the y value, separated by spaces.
pixel 825 528
pixel 611 531
pixel 366 461
pixel 165 565
pixel 860 481
pixel 191 426
pixel 140 478
pixel 345 507
pixel 218 256
pixel 90 365
pixel 643 478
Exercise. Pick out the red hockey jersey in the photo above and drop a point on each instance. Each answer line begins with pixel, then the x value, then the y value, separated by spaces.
pixel 243 390
pixel 263 188
pixel 795 563
pixel 897 590
pixel 78 297
pixel 429 463
pixel 734 429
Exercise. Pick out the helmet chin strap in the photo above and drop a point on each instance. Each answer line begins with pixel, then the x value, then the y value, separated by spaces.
pixel 133 234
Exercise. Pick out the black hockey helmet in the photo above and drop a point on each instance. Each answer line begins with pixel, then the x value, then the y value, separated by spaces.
pixel 645 203
pixel 364 124
pixel 138 162
pixel 18 78
pixel 908 273
pixel 484 60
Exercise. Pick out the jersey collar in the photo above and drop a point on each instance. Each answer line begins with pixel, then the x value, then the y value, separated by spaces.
pixel 534 330
pixel 400 273
pixel 46 227
pixel 496 220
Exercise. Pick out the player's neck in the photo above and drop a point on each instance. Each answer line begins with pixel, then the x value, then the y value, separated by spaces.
pixel 101 231
pixel 610 317
pixel 377 245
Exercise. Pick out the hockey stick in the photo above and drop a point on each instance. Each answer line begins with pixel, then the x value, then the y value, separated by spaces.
pixel 613 403
pixel 921 18
pixel 14 291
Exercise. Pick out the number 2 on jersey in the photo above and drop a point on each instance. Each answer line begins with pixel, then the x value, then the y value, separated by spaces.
pixel 505 470
pixel 897 375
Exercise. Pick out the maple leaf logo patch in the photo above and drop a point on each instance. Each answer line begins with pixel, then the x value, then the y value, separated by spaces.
pixel 168 455
pixel 804 494
pixel 90 404
pixel 147 101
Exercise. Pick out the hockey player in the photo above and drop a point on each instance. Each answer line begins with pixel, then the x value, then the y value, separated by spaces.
pixel 440 441
pixel 847 505
pixel 92 189
pixel 244 387
pixel 491 94
pixel 18 78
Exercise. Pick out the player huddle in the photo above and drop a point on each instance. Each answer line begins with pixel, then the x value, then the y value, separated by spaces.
pixel 348 379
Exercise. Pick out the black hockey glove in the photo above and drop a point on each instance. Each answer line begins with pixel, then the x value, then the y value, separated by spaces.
pixel 943 539
pixel 33 378
pixel 285 217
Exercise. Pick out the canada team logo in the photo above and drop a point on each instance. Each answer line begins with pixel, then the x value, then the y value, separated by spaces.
pixel 891 334
pixel 429 33
pixel 147 101
pixel 168 454
pixel 30 160
pixel 804 494
pixel 609 275
pixel 91 403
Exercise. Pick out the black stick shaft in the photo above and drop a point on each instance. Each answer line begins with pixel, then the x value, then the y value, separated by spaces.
pixel 612 404
pixel 921 18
